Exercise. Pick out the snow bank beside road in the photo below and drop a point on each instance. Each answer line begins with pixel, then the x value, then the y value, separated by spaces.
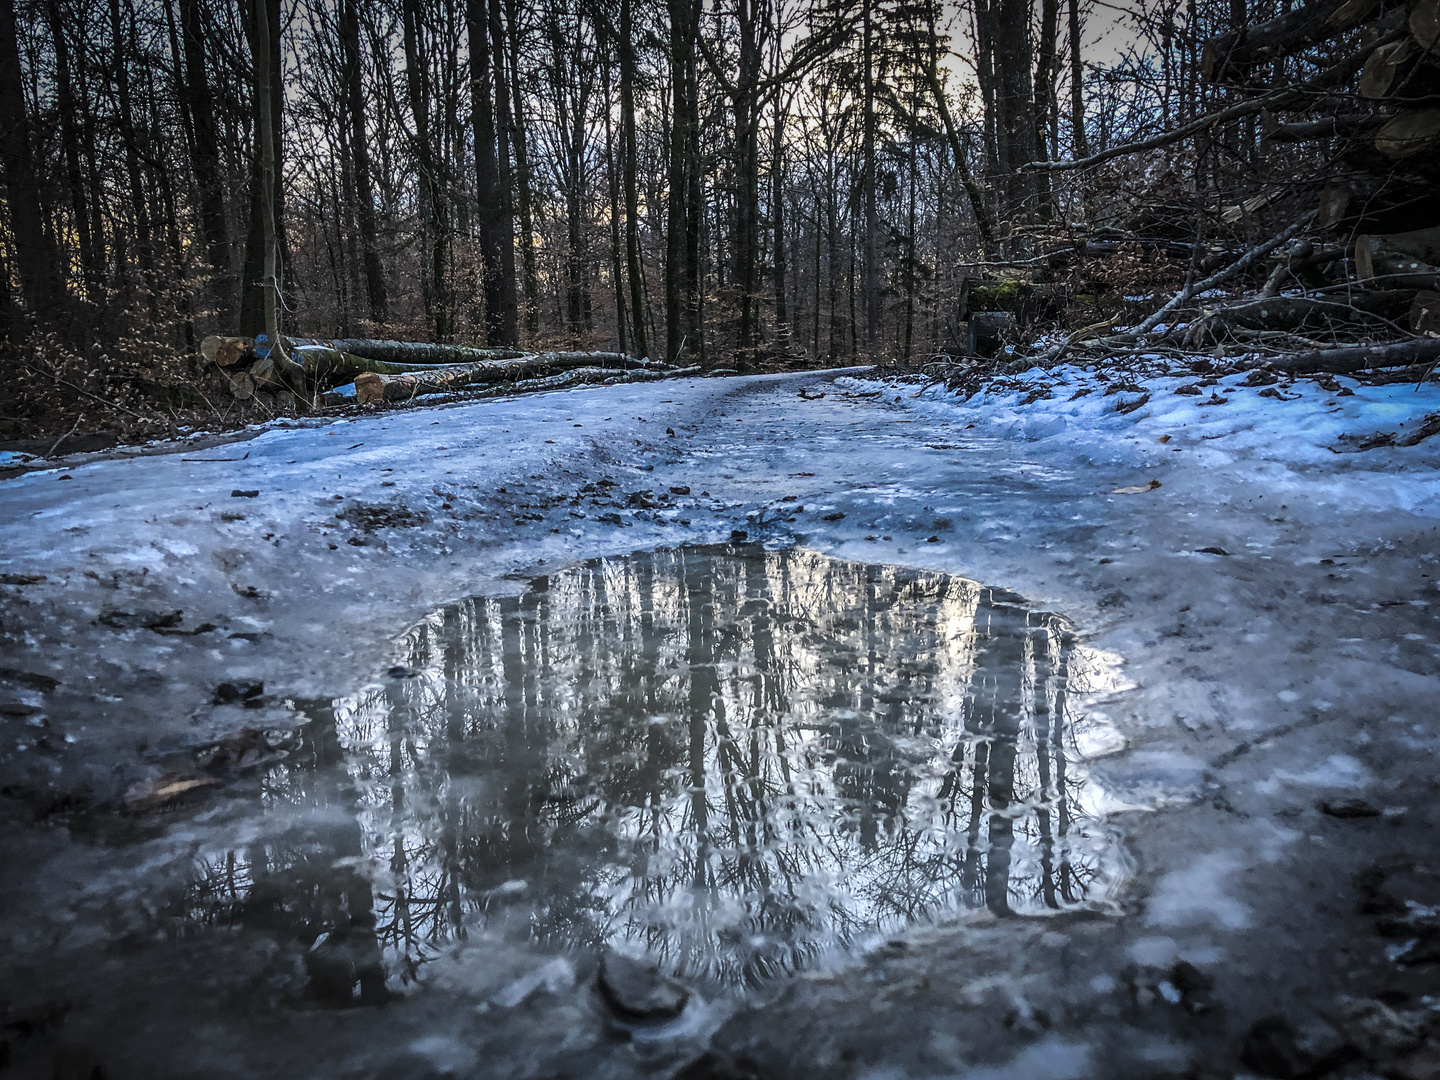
pixel 1213 433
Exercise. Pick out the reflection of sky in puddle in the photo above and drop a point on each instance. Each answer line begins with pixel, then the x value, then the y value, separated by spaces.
pixel 735 759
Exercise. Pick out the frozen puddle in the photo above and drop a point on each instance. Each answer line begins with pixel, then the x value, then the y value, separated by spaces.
pixel 738 761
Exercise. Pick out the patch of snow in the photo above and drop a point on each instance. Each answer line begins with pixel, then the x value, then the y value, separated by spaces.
pixel 1197 896
pixel 1048 1059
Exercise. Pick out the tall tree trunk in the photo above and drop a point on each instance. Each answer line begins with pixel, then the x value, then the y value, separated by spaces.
pixel 629 153
pixel 985 77
pixel 910 245
pixel 1045 102
pixel 35 260
pixel 264 44
pixel 973 192
pixel 431 197
pixel 70 141
pixel 613 182
pixel 573 99
pixel 89 122
pixel 160 179
pixel 509 302
pixel 360 160
pixel 530 274
pixel 1009 33
pixel 205 164
pixel 815 324
pixel 870 269
pixel 746 106
pixel 1077 86
pixel 125 116
pixel 777 219
pixel 832 260
pixel 259 287
pixel 682 241
pixel 487 172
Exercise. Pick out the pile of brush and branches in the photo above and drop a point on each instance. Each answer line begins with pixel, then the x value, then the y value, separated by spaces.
pixel 1342 271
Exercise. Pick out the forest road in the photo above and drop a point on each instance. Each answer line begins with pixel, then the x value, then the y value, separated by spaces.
pixel 1269 771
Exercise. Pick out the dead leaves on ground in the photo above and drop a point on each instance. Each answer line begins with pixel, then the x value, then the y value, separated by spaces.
pixel 238 754
pixel 164 790
pixel 1137 490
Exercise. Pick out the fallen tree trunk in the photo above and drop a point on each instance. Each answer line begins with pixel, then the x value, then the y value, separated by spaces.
pixel 1390 202
pixel 412 353
pixel 1400 258
pixel 563 381
pixel 316 360
pixel 1400 71
pixel 1240 50
pixel 360 354
pixel 1359 357
pixel 225 351
pixel 1409 134
pixel 1424 23
pixel 373 387
pixel 1294 312
pixel 1344 126
pixel 349 394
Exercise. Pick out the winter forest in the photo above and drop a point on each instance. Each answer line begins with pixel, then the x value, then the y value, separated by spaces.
pixel 726 184
pixel 720 539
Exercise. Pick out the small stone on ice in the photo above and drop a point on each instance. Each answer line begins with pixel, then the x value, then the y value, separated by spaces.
pixel 1349 807
pixel 637 990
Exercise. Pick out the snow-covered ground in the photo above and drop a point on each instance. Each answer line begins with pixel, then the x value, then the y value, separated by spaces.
pixel 1273 600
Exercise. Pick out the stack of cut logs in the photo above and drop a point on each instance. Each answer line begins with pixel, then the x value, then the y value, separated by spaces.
pixel 361 371
pixel 1377 107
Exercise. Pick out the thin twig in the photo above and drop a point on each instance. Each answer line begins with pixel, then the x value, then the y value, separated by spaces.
pixel 73 428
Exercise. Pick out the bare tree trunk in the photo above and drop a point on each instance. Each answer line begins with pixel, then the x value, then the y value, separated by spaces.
pixel 985 77
pixel 263 44
pixel 509 302
pixel 613 182
pixel 34 257
pixel 487 172
pixel 360 160
pixel 870 285
pixel 746 108
pixel 530 272
pixel 1077 86
pixel 258 287
pixel 70 140
pixel 973 191
pixel 431 187
pixel 777 218
pixel 682 241
pixel 1045 101
pixel 1009 33
pixel 910 246
pixel 139 206
pixel 205 163
pixel 571 88
pixel 630 152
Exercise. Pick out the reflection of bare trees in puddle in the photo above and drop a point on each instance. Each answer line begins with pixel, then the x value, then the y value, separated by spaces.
pixel 736 759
